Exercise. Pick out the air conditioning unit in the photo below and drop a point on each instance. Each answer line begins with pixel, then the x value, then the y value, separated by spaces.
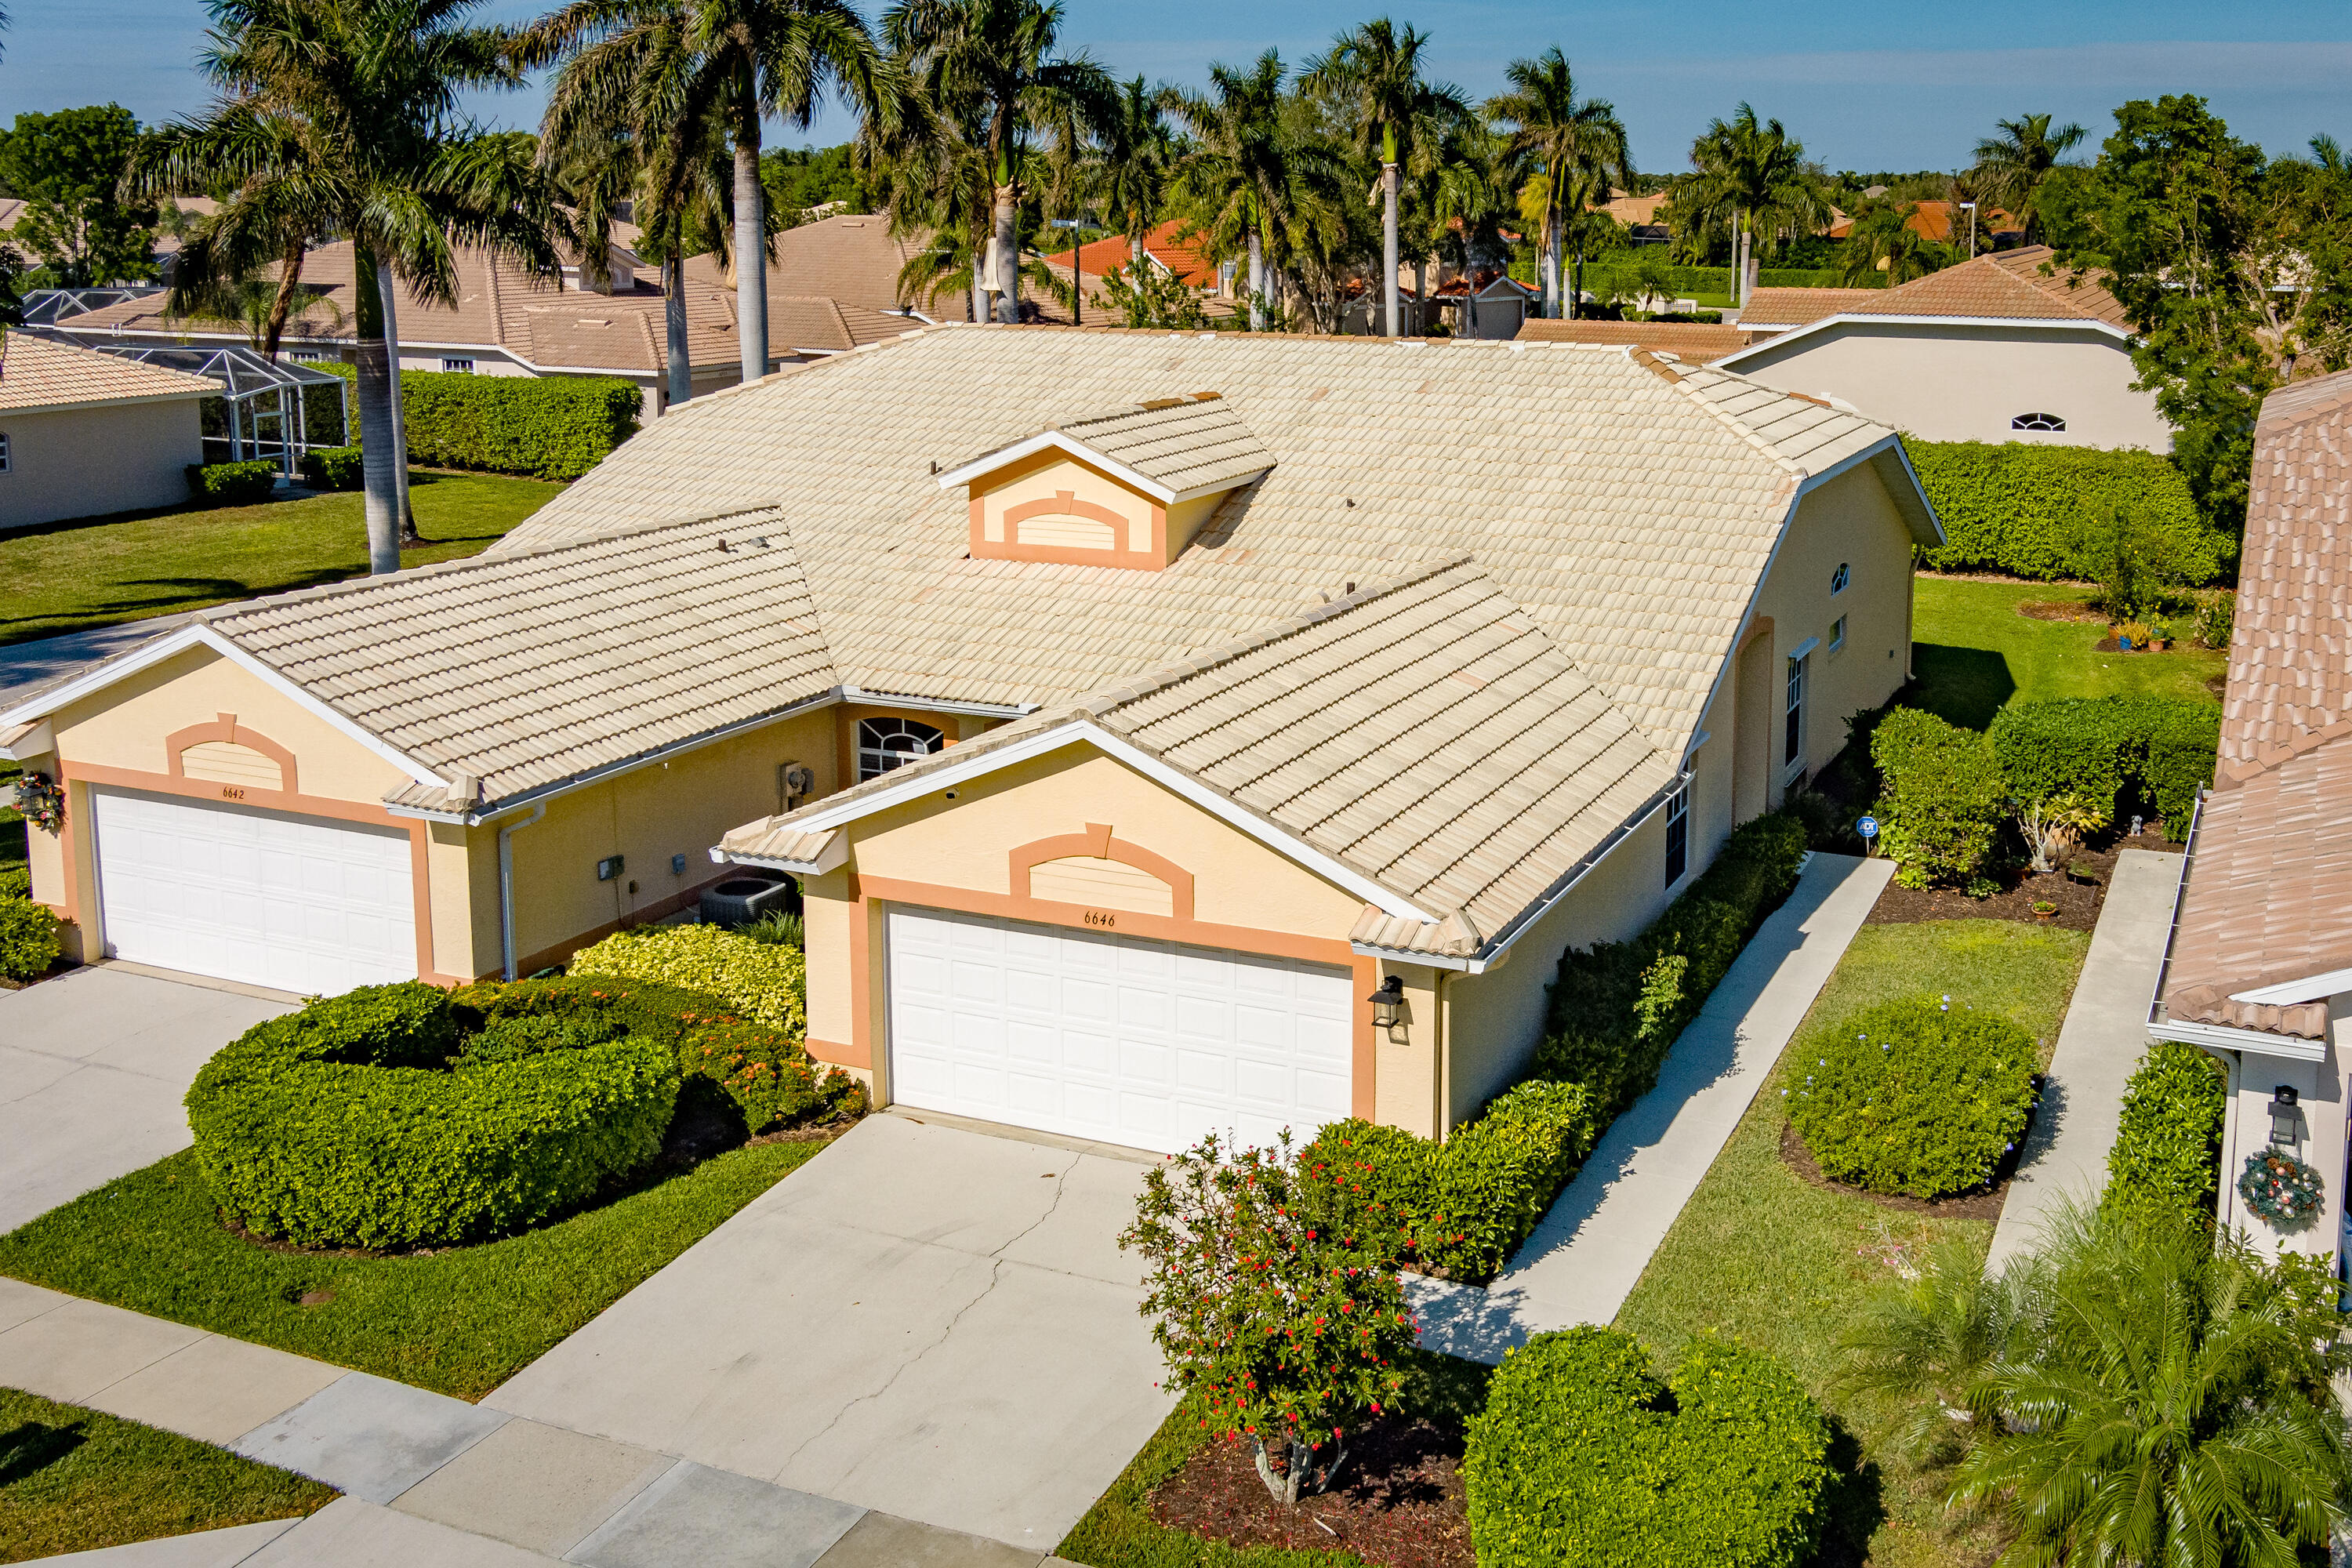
pixel 744 898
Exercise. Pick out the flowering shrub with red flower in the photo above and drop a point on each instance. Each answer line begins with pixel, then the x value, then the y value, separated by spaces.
pixel 1285 1329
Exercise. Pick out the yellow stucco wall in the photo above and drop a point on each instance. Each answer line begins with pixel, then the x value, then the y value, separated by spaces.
pixel 1053 473
pixel 84 462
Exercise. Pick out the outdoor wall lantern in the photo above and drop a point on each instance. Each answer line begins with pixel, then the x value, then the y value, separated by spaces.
pixel 1390 1009
pixel 2283 1122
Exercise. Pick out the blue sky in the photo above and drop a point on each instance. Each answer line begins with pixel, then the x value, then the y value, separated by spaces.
pixel 1864 85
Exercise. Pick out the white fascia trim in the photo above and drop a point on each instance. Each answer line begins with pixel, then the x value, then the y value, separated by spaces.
pixel 2254 1041
pixel 2290 992
pixel 1782 338
pixel 1870 454
pixel 951 773
pixel 1803 648
pixel 938 704
pixel 202 636
pixel 829 859
pixel 212 389
pixel 1053 440
pixel 37 741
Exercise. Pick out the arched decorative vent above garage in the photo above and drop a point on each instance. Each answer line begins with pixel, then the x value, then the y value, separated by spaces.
pixel 2050 422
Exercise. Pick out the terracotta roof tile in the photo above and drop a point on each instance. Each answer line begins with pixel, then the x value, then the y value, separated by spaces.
pixel 2008 285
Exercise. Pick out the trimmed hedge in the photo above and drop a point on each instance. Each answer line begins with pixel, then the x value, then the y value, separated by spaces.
pixel 2038 511
pixel 1582 1459
pixel 765 981
pixel 232 484
pixel 765 1072
pixel 547 427
pixel 2167 1150
pixel 333 468
pixel 2095 747
pixel 1458 1209
pixel 15 881
pixel 28 937
pixel 1944 800
pixel 1912 1098
pixel 358 1122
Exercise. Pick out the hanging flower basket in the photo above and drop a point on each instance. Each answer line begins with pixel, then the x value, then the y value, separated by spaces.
pixel 2282 1189
pixel 42 800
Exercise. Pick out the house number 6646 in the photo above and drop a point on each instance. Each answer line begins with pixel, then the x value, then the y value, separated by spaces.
pixel 1097 917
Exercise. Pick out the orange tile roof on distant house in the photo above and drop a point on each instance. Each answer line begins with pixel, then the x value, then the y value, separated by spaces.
pixel 40 374
pixel 1796 307
pixel 2265 902
pixel 1632 211
pixel 1183 257
pixel 1692 342
pixel 2007 285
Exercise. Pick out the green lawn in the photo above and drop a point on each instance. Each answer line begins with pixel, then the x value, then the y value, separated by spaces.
pixel 460 1321
pixel 1785 1265
pixel 1973 652
pixel 74 1480
pixel 71 576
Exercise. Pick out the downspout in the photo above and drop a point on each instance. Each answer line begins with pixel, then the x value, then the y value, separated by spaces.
pixel 1444 1062
pixel 506 885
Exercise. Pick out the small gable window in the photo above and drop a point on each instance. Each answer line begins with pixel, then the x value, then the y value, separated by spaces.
pixel 2037 422
pixel 3 451
pixel 459 366
pixel 886 743
pixel 1840 578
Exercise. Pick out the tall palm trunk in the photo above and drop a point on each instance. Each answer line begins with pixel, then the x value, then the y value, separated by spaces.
pixel 1008 259
pixel 751 248
pixel 289 285
pixel 681 362
pixel 379 465
pixel 1388 242
pixel 1257 282
pixel 1551 267
pixel 1420 297
pixel 979 283
pixel 385 291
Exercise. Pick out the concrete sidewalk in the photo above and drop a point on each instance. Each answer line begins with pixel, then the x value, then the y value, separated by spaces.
pixel 427 1478
pixel 2100 1044
pixel 1585 1257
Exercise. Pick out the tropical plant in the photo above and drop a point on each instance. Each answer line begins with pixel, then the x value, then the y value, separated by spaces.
pixel 1138 155
pixel 1287 1331
pixel 1752 182
pixel 2011 166
pixel 2054 826
pixel 1373 73
pixel 1884 244
pixel 341 118
pixel 1925 1343
pixel 1241 183
pixel 1578 146
pixel 1152 298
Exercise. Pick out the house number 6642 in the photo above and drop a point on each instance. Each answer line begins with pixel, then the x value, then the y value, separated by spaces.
pixel 231 791
pixel 1097 917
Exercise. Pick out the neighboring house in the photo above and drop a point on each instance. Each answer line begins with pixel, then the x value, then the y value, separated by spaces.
pixel 1128 725
pixel 2258 967
pixel 1692 342
pixel 821 294
pixel 1939 222
pixel 1484 304
pixel 2001 348
pixel 1640 216
pixel 1181 259
pixel 83 433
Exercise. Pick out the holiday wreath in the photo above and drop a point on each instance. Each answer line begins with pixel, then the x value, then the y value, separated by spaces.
pixel 2281 1188
pixel 42 800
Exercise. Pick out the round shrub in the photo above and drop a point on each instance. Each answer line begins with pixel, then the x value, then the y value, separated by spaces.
pixel 1920 1097
pixel 29 939
pixel 766 982
pixel 366 1121
pixel 1583 1458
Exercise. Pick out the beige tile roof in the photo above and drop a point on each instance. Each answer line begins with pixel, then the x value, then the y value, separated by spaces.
pixel 507 674
pixel 1423 732
pixel 1632 519
pixel 1692 342
pixel 2266 899
pixel 1194 443
pixel 38 372
pixel 2008 285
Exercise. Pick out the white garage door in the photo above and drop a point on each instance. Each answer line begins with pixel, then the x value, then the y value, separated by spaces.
pixel 300 903
pixel 1148 1044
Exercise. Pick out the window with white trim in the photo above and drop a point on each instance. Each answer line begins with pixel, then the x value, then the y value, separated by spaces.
pixel 1837 634
pixel 1677 834
pixel 2049 422
pixel 3 451
pixel 1840 578
pixel 1793 749
pixel 306 357
pixel 459 366
pixel 888 742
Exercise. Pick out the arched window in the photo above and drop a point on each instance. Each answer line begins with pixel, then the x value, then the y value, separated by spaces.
pixel 1840 578
pixel 886 743
pixel 2037 422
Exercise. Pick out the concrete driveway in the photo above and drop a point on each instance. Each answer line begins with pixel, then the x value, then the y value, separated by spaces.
pixel 923 1319
pixel 93 1066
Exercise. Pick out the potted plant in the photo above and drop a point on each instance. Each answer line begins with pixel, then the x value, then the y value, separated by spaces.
pixel 2044 908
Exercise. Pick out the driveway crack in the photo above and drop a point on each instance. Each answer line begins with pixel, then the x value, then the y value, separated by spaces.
pixel 1061 1185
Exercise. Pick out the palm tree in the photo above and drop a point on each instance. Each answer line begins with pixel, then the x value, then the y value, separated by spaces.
pixel 341 119
pixel 735 63
pixel 1579 145
pixel 1884 244
pixel 992 63
pixel 2011 166
pixel 1243 180
pixel 1138 158
pixel 1375 72
pixel 1752 180
pixel 1928 1345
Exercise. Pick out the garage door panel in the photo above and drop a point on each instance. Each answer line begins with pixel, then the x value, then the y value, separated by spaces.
pixel 1124 1038
pixel 268 898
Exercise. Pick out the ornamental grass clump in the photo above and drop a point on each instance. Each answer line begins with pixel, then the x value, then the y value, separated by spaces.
pixel 1283 1330
pixel 1922 1097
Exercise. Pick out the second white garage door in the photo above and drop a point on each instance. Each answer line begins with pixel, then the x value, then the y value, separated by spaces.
pixel 1148 1044
pixel 298 903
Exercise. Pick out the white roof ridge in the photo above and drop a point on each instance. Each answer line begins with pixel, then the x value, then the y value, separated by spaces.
pixel 1682 378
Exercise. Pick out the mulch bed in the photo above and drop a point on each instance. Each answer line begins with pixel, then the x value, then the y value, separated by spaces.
pixel 2060 610
pixel 1400 1501
pixel 1982 1202
pixel 2078 891
pixel 2109 644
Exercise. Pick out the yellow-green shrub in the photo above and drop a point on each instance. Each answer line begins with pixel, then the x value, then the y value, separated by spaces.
pixel 760 980
pixel 28 937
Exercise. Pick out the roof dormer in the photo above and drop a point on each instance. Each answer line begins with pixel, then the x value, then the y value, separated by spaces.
pixel 1129 488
